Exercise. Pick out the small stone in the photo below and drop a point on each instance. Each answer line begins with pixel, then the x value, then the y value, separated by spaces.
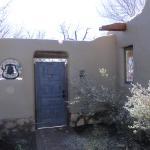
pixel 61 128
pixel 135 131
pixel 6 131
pixel 14 130
pixel 67 131
pixel 27 120
pixel 32 128
pixel 121 145
pixel 91 121
pixel 10 125
pixel 1 122
pixel 20 122
pixel 80 122
pixel 74 117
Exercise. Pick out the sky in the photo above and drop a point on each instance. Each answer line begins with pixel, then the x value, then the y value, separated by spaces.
pixel 47 15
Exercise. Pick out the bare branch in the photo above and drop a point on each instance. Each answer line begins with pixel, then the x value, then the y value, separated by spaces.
pixel 40 35
pixel 18 33
pixel 86 33
pixel 4 27
pixel 6 30
pixel 121 10
pixel 34 35
pixel 76 37
pixel 69 33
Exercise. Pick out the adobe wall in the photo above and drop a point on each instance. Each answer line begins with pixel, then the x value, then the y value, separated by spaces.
pixel 138 35
pixel 17 99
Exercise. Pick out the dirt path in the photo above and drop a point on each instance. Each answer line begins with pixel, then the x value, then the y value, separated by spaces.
pixel 53 139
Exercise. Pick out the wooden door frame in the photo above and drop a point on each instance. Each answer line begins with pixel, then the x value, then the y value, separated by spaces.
pixel 57 55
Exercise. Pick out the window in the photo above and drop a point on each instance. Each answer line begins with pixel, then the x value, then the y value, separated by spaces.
pixel 129 64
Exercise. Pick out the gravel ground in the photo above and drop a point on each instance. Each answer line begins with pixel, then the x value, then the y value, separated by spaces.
pixel 18 141
pixel 99 138
pixel 84 138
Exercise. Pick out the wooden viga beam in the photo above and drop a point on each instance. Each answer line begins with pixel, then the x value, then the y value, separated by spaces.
pixel 114 27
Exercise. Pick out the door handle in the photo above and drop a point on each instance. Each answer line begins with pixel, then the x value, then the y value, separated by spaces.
pixel 63 94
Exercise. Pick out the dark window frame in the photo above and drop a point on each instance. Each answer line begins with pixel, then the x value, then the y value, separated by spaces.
pixel 128 48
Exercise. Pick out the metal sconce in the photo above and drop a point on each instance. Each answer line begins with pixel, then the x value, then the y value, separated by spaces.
pixel 82 73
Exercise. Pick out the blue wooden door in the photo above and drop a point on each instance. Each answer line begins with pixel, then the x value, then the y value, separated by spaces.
pixel 50 83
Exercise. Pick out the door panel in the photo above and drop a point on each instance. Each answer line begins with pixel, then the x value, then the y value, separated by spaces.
pixel 50 83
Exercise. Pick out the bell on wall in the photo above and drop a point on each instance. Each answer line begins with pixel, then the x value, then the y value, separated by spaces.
pixel 10 71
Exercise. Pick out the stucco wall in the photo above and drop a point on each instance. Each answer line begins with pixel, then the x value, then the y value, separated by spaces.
pixel 138 35
pixel 17 97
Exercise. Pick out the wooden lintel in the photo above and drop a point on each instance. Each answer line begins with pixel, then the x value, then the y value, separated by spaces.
pixel 114 27
pixel 50 54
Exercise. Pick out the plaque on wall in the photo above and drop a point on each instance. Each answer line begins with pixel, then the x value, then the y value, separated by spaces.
pixel 10 69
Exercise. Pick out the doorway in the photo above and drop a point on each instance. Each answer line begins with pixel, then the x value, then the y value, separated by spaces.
pixel 50 89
